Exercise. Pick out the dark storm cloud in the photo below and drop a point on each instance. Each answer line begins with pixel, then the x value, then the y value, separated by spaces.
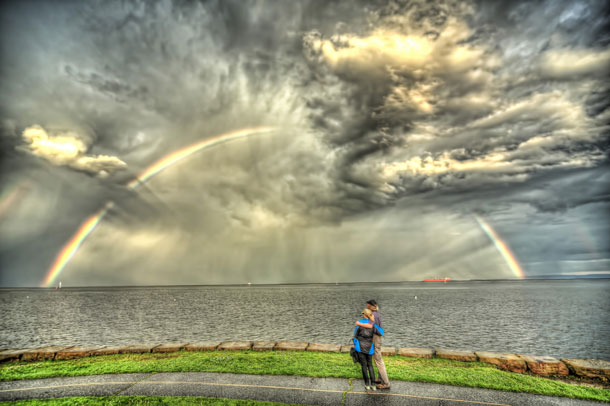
pixel 121 91
pixel 491 118
pixel 463 107
pixel 574 23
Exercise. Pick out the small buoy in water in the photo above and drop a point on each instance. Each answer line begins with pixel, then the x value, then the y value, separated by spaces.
pixel 174 300
pixel 27 297
pixel 415 298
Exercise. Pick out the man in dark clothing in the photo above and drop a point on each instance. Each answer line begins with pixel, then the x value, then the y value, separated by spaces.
pixel 384 383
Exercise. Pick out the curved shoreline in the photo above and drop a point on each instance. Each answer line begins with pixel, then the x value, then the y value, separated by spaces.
pixel 538 365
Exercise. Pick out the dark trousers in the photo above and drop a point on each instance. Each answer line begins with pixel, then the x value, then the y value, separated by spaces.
pixel 368 373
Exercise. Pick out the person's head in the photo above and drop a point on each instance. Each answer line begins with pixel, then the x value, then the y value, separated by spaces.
pixel 367 313
pixel 372 305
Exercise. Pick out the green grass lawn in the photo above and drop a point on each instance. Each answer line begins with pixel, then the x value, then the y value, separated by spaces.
pixel 471 374
pixel 142 401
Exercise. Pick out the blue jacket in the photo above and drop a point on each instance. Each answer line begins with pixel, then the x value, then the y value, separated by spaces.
pixel 363 337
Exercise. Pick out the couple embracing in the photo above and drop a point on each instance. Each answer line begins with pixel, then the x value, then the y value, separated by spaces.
pixel 367 343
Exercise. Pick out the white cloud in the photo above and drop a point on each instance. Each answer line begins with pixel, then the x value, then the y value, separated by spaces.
pixel 512 163
pixel 60 150
pixel 540 106
pixel 386 52
pixel 575 63
pixel 68 149
pixel 373 54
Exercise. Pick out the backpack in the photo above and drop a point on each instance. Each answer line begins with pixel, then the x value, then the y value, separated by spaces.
pixel 354 354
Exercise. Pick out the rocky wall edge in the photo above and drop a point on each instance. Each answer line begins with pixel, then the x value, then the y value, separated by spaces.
pixel 539 365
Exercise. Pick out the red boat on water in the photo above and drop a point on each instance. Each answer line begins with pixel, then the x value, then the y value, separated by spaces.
pixel 438 280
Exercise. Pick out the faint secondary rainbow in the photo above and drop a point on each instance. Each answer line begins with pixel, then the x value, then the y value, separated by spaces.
pixel 10 194
pixel 86 228
pixel 508 256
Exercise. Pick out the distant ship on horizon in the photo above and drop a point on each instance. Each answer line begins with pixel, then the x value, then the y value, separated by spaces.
pixel 438 280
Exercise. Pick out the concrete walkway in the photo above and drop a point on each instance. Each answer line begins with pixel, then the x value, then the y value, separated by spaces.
pixel 287 389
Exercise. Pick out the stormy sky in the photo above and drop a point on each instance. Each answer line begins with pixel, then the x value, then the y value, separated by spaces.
pixel 396 125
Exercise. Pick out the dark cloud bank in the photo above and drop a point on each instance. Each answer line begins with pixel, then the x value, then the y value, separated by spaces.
pixel 395 124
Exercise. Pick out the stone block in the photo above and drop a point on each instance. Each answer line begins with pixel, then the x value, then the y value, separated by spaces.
pixel 77 352
pixel 509 362
pixel 43 353
pixel 543 365
pixel 12 355
pixel 169 347
pixel 388 351
pixel 137 349
pixel 291 346
pixel 590 368
pixel 416 352
pixel 116 349
pixel 314 347
pixel 264 345
pixel 346 348
pixel 457 355
pixel 235 345
pixel 202 346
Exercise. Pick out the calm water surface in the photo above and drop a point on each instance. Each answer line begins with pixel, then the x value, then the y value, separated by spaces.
pixel 557 318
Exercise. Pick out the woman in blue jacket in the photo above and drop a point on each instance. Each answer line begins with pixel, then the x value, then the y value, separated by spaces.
pixel 363 344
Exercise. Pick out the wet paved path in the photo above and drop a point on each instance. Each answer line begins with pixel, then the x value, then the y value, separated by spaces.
pixel 287 389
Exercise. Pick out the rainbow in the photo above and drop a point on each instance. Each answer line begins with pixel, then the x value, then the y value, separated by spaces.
pixel 68 251
pixel 506 253
pixel 185 152
pixel 86 228
pixel 10 194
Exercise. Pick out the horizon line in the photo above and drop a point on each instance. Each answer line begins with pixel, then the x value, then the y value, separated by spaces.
pixel 435 283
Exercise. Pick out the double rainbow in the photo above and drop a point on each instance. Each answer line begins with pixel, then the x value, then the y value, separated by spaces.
pixel 502 247
pixel 86 228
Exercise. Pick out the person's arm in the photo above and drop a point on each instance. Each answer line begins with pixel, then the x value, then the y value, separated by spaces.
pixel 377 324
pixel 365 325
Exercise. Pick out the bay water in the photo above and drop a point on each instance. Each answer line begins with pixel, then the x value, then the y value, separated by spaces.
pixel 560 318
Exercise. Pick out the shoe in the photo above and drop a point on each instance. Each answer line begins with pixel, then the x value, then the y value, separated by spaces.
pixel 367 388
pixel 373 388
pixel 383 386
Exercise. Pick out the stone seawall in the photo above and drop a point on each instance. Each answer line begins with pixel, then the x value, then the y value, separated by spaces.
pixel 539 365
